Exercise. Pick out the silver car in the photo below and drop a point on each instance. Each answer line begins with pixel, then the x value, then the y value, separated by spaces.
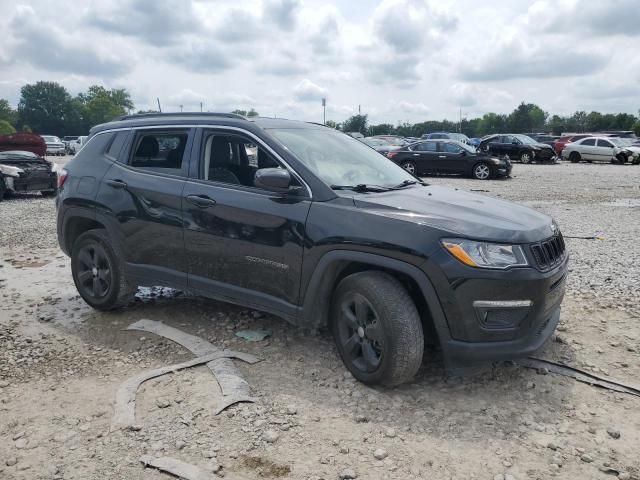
pixel 54 145
pixel 601 149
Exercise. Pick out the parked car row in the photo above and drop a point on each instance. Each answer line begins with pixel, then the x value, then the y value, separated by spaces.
pixel 602 149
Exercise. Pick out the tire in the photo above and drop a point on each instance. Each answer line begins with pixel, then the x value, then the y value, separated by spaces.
pixel 384 342
pixel 410 167
pixel 574 157
pixel 98 272
pixel 49 193
pixel 482 171
pixel 3 188
pixel 526 157
pixel 622 158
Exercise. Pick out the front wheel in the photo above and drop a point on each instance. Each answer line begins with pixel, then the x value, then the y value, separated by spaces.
pixel 482 171
pixel 526 157
pixel 622 158
pixel 377 328
pixel 410 167
pixel 98 273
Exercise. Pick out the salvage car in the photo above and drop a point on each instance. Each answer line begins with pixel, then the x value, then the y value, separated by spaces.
pixel 323 232
pixel 460 137
pixel 518 147
pixel 449 157
pixel 560 143
pixel 55 146
pixel 28 142
pixel 22 171
pixel 380 145
pixel 602 149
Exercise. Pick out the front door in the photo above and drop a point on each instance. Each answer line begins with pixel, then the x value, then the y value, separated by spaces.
pixel 454 160
pixel 242 242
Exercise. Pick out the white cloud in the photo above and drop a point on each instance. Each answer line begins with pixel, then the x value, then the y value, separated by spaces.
pixel 307 91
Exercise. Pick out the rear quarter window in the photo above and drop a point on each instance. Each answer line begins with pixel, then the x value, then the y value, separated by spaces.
pixel 97 145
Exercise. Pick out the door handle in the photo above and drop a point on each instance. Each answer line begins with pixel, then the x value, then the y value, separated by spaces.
pixel 116 183
pixel 442 156
pixel 416 154
pixel 201 201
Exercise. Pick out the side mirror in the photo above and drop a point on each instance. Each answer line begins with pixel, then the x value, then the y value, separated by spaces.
pixel 463 153
pixel 515 142
pixel 273 179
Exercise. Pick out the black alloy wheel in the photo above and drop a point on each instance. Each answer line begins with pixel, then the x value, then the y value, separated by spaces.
pixel 359 333
pixel 94 271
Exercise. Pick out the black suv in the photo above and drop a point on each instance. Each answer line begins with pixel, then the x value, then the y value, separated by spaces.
pixel 518 147
pixel 309 224
pixel 449 157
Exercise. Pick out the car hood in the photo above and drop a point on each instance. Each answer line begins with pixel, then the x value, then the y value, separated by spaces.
pixel 460 213
pixel 540 145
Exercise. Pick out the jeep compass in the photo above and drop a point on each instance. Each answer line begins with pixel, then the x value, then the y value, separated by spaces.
pixel 309 224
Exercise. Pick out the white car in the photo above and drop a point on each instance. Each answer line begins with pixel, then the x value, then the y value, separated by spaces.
pixel 74 146
pixel 601 149
pixel 54 145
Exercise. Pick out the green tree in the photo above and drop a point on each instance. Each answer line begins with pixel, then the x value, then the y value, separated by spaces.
pixel 527 118
pixel 45 107
pixel 252 113
pixel 331 124
pixel 356 123
pixel 240 112
pixel 7 113
pixel 98 105
pixel 382 129
pixel 6 128
pixel 636 128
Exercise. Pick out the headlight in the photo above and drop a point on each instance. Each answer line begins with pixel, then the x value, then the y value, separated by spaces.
pixel 485 255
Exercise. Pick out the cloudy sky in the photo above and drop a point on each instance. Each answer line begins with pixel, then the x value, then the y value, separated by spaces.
pixel 401 60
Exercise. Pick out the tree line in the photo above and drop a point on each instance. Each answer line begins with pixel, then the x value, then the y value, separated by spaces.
pixel 525 118
pixel 48 108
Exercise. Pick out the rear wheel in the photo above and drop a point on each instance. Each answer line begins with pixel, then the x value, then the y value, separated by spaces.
pixel 410 167
pixel 482 171
pixel 574 157
pixel 98 272
pixel 377 328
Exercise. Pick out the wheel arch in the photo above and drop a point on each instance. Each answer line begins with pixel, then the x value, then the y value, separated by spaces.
pixel 76 222
pixel 338 264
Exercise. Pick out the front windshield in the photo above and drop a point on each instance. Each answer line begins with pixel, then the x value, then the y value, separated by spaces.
pixel 17 155
pixel 338 159
pixel 526 140
pixel 466 147
pixel 620 142
pixel 461 137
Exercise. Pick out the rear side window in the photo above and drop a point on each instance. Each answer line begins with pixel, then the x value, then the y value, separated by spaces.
pixel 97 145
pixel 427 147
pixel 452 148
pixel 116 145
pixel 589 142
pixel 604 143
pixel 163 150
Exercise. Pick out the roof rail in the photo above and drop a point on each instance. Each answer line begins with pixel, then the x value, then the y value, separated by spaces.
pixel 180 114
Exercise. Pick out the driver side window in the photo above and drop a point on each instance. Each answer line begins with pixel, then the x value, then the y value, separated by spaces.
pixel 234 159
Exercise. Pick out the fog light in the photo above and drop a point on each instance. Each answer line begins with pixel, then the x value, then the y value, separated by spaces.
pixel 501 314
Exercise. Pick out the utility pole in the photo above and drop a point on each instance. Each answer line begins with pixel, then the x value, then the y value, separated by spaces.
pixel 358 109
pixel 200 106
pixel 159 107
pixel 181 108
pixel 324 111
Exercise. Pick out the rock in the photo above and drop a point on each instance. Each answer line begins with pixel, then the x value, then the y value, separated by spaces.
pixel 180 444
pixel 4 384
pixel 163 402
pixel 613 433
pixel 11 461
pixel 390 433
pixel 586 458
pixel 22 443
pixel 624 476
pixel 271 436
pixel 292 409
pixel 508 476
pixel 349 473
pixel 361 418
pixel 498 477
pixel 380 454
pixel 209 454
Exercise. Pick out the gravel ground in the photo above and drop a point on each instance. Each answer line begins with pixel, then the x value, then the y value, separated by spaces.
pixel 61 364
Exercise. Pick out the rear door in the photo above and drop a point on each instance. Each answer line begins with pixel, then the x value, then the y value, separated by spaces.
pixel 425 154
pixel 588 149
pixel 143 192
pixel 242 242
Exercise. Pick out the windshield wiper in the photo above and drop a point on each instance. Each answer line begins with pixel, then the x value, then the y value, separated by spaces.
pixel 361 187
pixel 406 183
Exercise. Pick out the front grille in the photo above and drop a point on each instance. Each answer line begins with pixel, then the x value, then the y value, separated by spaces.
pixel 548 253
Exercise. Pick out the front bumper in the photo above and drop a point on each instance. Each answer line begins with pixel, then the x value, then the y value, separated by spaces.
pixel 35 183
pixel 475 331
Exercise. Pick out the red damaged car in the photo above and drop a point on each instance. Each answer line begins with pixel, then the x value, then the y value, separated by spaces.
pixel 559 144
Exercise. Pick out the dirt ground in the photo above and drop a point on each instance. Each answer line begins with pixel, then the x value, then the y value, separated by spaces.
pixel 61 363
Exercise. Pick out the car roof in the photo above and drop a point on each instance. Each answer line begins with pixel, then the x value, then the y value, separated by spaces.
pixel 201 118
